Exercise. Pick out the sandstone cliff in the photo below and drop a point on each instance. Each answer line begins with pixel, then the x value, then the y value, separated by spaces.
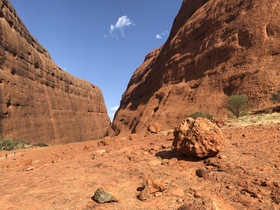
pixel 40 102
pixel 216 48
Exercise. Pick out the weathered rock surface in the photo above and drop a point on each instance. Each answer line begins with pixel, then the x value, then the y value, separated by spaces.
pixel 104 196
pixel 40 102
pixel 198 138
pixel 216 48
pixel 152 187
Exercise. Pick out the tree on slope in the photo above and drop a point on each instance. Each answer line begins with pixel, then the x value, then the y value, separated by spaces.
pixel 237 105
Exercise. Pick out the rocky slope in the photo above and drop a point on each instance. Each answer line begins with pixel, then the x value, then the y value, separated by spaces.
pixel 216 48
pixel 40 102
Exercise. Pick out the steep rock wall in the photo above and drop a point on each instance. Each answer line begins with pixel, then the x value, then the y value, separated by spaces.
pixel 216 48
pixel 39 102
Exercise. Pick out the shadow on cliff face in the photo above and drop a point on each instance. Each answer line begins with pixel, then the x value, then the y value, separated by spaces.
pixel 168 66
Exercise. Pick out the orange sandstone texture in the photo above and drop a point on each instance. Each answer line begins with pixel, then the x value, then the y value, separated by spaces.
pixel 39 102
pixel 216 48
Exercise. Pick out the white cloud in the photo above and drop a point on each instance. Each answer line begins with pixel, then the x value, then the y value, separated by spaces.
pixel 112 113
pixel 159 36
pixel 114 108
pixel 121 24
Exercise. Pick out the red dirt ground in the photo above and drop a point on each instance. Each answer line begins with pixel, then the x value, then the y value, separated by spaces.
pixel 245 175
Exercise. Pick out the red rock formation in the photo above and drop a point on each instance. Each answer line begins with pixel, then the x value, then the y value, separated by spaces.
pixel 197 138
pixel 216 48
pixel 40 102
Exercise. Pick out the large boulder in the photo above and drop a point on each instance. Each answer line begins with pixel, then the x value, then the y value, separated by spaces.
pixel 197 138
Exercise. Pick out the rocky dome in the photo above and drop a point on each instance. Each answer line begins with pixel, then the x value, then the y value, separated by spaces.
pixel 216 48
pixel 39 102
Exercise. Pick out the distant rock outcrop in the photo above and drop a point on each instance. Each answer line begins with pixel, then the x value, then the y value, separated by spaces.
pixel 39 102
pixel 216 48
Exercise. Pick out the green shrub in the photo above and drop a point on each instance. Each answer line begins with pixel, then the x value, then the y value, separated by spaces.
pixel 275 98
pixel 12 144
pixel 6 144
pixel 40 144
pixel 237 105
pixel 201 114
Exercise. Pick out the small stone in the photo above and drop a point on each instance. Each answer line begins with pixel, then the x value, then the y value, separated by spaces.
pixel 154 162
pixel 133 137
pixel 179 200
pixel 154 128
pixel 276 184
pixel 144 194
pixel 202 173
pixel 222 157
pixel 157 185
pixel 267 184
pixel 29 168
pixel 102 151
pixel 165 162
pixel 178 192
pixel 103 196
pixel 158 194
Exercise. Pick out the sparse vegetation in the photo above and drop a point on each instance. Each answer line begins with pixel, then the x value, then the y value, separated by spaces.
pixel 275 98
pixel 12 144
pixel 237 105
pixel 264 118
pixel 40 144
pixel 200 114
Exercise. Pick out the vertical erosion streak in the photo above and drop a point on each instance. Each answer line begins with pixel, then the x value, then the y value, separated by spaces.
pixel 2 60
pixel 51 115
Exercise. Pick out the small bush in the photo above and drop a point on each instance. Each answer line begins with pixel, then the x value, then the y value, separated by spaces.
pixel 275 98
pixel 237 105
pixel 12 144
pixel 201 114
pixel 6 144
pixel 40 144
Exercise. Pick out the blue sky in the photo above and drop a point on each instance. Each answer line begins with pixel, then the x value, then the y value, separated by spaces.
pixel 101 41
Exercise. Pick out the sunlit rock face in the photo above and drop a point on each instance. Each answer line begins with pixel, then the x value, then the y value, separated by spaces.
pixel 216 48
pixel 39 102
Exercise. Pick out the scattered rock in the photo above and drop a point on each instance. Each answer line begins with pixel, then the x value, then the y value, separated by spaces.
pixel 177 192
pixel 222 157
pixel 218 121
pixel 103 142
pixel 101 151
pixel 157 185
pixel 29 168
pixel 276 196
pixel 155 162
pixel 104 196
pixel 152 187
pixel 133 137
pixel 197 138
pixel 202 173
pixel 144 194
pixel 192 207
pixel 154 128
